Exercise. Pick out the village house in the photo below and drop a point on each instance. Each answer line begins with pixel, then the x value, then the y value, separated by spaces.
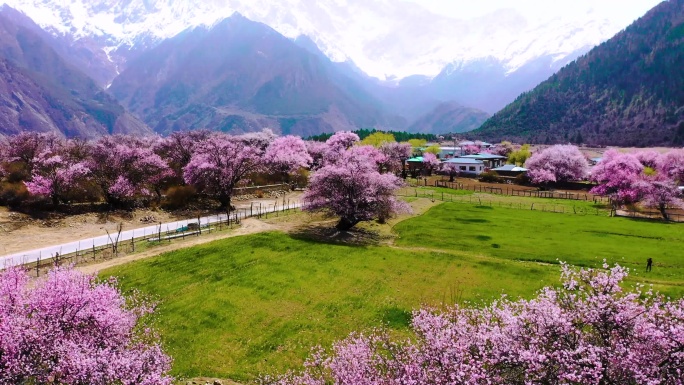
pixel 468 166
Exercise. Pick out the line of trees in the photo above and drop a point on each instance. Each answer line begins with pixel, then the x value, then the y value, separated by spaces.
pixel 645 177
pixel 353 181
pixel 400 136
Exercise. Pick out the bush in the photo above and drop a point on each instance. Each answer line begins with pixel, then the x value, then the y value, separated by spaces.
pixel 13 194
pixel 259 194
pixel 522 179
pixel 179 197
pixel 490 177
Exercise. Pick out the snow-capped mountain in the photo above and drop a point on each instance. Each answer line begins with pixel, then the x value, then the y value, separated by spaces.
pixel 387 39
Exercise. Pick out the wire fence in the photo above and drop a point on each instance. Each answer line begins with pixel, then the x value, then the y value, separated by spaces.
pixel 163 233
pixel 481 201
pixel 544 207
pixel 512 191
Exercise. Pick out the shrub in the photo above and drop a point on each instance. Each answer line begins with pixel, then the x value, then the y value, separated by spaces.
pixel 179 197
pixel 522 179
pixel 13 194
pixel 490 177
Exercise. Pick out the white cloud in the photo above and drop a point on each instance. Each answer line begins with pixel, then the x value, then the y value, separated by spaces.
pixel 618 11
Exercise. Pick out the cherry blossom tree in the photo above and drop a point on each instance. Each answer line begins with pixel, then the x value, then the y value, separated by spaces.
pixel 4 157
pixel 342 140
pixel 317 151
pixel 258 140
pixel 353 189
pixel 588 331
pixel 25 148
pixel 471 149
pixel 650 158
pixel 659 192
pixel 617 176
pixel 672 165
pixel 220 164
pixel 337 144
pixel 177 149
pixel 396 154
pixel 287 155
pixel 70 329
pixel 125 168
pixel 504 148
pixel 450 169
pixel 57 176
pixel 430 162
pixel 560 163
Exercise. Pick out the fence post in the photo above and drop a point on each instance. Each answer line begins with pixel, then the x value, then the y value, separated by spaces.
pixel 38 267
pixel 93 250
pixel 133 243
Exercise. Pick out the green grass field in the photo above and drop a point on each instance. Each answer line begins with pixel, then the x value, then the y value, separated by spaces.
pixel 581 240
pixel 256 304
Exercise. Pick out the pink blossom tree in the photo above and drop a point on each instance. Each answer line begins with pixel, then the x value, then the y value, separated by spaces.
pixel 353 190
pixel 560 163
pixel 337 144
pixel 471 149
pixel 650 158
pixel 396 154
pixel 126 168
pixel 503 149
pixel 588 331
pixel 317 151
pixel 177 149
pixel 57 176
pixel 219 165
pixel 287 155
pixel 450 169
pixel 659 192
pixel 25 148
pixel 70 329
pixel 672 165
pixel 430 162
pixel 617 176
pixel 258 140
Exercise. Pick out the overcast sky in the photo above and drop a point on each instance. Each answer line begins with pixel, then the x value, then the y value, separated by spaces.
pixel 621 11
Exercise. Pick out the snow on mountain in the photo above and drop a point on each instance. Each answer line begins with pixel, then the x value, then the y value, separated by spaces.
pixel 387 39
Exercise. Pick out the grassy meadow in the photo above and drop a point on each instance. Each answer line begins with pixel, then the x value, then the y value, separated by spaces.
pixel 251 305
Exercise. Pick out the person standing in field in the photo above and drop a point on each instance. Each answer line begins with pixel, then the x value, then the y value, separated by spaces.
pixel 649 264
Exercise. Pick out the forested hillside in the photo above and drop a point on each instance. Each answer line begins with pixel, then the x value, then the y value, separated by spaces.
pixel 628 91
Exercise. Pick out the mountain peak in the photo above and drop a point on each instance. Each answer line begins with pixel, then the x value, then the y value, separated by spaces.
pixel 386 39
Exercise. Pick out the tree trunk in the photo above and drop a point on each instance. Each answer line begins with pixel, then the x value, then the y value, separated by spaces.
pixel 345 224
pixel 451 177
pixel 225 203
pixel 663 211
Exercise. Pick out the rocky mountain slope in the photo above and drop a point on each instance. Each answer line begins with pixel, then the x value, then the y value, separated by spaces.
pixel 386 39
pixel 238 76
pixel 449 118
pixel 41 92
pixel 627 91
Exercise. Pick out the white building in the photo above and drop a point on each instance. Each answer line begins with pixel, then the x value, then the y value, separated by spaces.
pixel 467 165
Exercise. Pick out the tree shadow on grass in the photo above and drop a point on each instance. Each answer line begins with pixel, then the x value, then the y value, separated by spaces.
pixel 329 234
